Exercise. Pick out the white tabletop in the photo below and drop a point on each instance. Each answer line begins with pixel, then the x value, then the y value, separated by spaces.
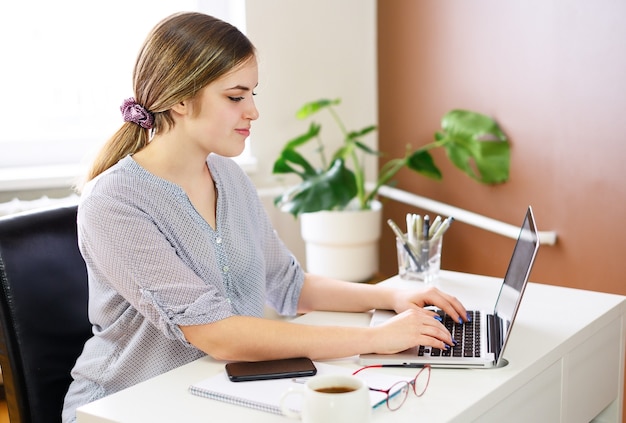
pixel 551 322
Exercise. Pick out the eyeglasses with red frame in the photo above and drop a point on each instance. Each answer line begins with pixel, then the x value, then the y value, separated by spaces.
pixel 399 391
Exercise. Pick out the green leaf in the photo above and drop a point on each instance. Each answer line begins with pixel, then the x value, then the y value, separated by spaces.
pixel 362 132
pixel 314 130
pixel 288 157
pixel 422 162
pixel 476 145
pixel 315 106
pixel 486 161
pixel 343 152
pixel 282 166
pixel 329 190
pixel 367 148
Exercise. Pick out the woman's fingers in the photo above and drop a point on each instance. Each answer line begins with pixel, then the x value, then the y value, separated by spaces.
pixel 412 328
pixel 448 303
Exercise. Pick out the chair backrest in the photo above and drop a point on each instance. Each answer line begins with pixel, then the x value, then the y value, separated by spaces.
pixel 43 310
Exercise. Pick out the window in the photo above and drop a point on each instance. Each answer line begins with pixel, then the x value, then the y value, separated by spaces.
pixel 67 67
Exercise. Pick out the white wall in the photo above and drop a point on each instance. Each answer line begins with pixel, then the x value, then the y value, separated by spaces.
pixel 309 50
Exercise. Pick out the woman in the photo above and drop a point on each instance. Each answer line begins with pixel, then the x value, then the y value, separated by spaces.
pixel 181 256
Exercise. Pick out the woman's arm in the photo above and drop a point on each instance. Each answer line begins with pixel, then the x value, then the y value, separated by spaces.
pixel 320 293
pixel 244 338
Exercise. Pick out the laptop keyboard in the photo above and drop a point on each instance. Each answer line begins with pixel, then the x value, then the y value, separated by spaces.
pixel 466 335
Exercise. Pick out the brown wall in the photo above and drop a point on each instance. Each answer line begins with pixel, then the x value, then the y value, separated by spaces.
pixel 553 74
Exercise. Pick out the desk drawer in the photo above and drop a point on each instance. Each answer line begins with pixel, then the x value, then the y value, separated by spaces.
pixel 538 400
pixel 592 374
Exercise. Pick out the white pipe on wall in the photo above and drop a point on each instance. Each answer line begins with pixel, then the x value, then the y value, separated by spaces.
pixel 462 215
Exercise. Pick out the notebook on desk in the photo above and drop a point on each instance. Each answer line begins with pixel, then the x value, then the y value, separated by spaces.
pixel 489 330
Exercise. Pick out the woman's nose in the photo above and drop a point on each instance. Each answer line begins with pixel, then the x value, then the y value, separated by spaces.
pixel 252 112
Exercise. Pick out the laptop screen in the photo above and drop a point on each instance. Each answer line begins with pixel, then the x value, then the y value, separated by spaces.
pixel 517 274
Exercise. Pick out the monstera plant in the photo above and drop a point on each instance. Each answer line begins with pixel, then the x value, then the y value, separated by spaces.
pixel 473 142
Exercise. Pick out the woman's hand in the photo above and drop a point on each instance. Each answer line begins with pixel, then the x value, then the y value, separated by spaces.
pixel 408 329
pixel 417 300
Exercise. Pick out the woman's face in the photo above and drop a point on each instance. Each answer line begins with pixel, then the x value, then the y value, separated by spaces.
pixel 224 111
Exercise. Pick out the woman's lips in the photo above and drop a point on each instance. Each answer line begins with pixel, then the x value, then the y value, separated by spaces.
pixel 243 131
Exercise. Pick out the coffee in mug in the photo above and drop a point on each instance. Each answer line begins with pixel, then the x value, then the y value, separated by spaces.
pixel 336 389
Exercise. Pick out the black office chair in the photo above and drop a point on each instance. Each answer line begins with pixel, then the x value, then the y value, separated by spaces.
pixel 43 311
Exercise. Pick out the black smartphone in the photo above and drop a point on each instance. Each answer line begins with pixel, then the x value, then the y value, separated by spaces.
pixel 270 369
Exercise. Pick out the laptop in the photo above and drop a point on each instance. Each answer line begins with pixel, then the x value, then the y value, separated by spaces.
pixel 489 329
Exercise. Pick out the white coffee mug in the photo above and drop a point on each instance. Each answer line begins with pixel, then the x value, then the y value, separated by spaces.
pixel 331 398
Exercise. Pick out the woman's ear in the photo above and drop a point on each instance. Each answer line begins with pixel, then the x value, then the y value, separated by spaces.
pixel 181 108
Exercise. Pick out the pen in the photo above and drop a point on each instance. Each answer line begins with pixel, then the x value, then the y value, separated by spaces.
pixel 443 227
pixel 400 237
pixel 418 226
pixel 434 226
pixel 407 365
pixel 425 244
pixel 411 230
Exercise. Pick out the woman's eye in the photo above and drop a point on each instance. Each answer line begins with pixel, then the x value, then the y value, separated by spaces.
pixel 235 99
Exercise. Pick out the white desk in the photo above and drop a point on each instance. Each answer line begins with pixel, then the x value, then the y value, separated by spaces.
pixel 570 370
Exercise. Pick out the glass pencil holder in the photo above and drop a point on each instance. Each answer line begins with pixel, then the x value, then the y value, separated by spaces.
pixel 420 261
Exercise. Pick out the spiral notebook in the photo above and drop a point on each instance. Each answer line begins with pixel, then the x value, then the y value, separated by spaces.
pixel 265 395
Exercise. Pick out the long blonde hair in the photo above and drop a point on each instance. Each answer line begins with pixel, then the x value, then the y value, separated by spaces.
pixel 182 54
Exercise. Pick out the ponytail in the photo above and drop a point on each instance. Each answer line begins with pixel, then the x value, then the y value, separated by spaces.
pixel 129 139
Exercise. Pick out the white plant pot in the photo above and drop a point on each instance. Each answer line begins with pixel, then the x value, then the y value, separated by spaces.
pixel 342 244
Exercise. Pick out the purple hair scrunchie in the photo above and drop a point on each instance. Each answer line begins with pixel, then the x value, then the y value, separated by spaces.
pixel 136 113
